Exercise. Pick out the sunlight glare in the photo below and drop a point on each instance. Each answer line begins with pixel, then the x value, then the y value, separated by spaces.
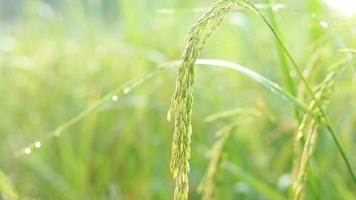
pixel 345 7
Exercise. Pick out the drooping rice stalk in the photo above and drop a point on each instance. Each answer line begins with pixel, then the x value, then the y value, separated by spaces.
pixel 182 101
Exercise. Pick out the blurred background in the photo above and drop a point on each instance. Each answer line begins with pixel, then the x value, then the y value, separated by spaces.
pixel 57 57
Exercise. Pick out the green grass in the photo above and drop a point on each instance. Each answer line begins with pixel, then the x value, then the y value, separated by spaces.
pixel 61 66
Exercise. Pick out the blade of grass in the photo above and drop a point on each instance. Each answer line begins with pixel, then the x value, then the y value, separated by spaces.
pixel 113 95
pixel 272 86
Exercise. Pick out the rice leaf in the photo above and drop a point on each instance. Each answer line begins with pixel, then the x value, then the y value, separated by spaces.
pixel 272 86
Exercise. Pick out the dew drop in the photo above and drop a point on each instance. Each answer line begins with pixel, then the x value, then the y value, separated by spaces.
pixel 277 7
pixel 324 24
pixel 126 90
pixel 292 74
pixel 38 144
pixel 57 133
pixel 114 98
pixel 27 150
pixel 284 181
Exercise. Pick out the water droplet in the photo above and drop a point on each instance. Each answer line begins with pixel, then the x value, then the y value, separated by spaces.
pixel 57 133
pixel 27 150
pixel 284 181
pixel 126 90
pixel 114 98
pixel 324 24
pixel 277 7
pixel 292 74
pixel 38 144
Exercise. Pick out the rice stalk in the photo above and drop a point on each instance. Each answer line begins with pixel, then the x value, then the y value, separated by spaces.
pixel 307 72
pixel 182 100
pixel 310 67
pixel 207 185
pixel 309 129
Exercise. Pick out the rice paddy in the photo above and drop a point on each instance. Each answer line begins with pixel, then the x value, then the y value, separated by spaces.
pixel 260 97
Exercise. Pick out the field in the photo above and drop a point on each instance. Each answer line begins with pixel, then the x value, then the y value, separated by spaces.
pixel 267 111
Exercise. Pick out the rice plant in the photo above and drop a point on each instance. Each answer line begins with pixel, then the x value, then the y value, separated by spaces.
pixel 85 87
pixel 182 100
pixel 308 132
